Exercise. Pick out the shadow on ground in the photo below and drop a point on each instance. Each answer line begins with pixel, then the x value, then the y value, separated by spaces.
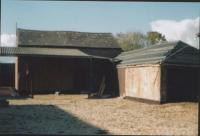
pixel 42 119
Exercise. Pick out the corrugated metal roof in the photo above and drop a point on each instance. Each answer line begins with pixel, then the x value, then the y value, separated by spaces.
pixel 168 52
pixel 40 51
pixel 34 51
pixel 65 39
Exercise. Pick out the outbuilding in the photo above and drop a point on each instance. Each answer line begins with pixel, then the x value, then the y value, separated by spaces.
pixel 93 63
pixel 165 72
pixel 64 61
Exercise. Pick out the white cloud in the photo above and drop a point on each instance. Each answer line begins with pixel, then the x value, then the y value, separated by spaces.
pixel 184 30
pixel 8 40
pixel 7 59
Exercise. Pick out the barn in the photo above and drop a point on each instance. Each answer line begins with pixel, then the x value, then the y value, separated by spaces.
pixel 64 61
pixel 93 63
pixel 166 72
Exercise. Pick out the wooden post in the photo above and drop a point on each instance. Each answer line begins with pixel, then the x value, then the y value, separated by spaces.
pixel 17 64
pixel 16 75
pixel 91 88
pixel 27 79
pixel 163 83
pixel 114 85
pixel 198 95
pixel 31 87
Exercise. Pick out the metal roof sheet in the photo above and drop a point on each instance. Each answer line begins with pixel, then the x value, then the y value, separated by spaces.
pixel 34 51
pixel 169 52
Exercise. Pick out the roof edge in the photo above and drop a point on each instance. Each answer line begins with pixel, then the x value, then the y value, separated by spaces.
pixel 23 29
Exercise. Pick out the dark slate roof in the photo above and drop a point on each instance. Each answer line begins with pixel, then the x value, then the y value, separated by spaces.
pixel 34 51
pixel 168 52
pixel 65 39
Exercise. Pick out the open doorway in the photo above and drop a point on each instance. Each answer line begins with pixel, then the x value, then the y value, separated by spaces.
pixel 44 75
pixel 7 79
pixel 182 84
pixel 7 75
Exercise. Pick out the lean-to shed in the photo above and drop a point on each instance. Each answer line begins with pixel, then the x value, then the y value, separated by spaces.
pixel 160 73
pixel 65 61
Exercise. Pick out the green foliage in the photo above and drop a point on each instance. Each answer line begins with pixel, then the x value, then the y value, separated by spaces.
pixel 131 40
pixel 135 40
pixel 155 37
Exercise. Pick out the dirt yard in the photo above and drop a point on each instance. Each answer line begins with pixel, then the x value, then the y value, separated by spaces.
pixel 75 114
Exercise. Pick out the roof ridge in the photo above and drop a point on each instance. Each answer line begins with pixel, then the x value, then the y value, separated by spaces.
pixel 28 37
pixel 157 53
pixel 182 47
pixel 152 46
pixel 63 31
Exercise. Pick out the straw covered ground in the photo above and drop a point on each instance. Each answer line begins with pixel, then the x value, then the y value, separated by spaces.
pixel 75 114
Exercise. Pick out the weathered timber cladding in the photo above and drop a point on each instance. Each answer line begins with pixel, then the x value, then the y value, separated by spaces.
pixel 68 75
pixel 182 83
pixel 53 74
pixel 121 78
pixel 143 82
pixel 163 84
pixel 186 56
pixel 50 61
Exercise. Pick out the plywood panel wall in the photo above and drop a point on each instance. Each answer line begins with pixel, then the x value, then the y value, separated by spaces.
pixel 143 82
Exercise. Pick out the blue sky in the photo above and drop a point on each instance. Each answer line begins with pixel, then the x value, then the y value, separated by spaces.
pixel 91 16
pixel 177 21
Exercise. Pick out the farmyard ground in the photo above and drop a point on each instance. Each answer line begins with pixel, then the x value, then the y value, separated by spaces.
pixel 75 114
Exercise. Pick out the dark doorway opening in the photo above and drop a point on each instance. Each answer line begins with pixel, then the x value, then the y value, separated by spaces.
pixel 182 84
pixel 43 75
pixel 7 75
